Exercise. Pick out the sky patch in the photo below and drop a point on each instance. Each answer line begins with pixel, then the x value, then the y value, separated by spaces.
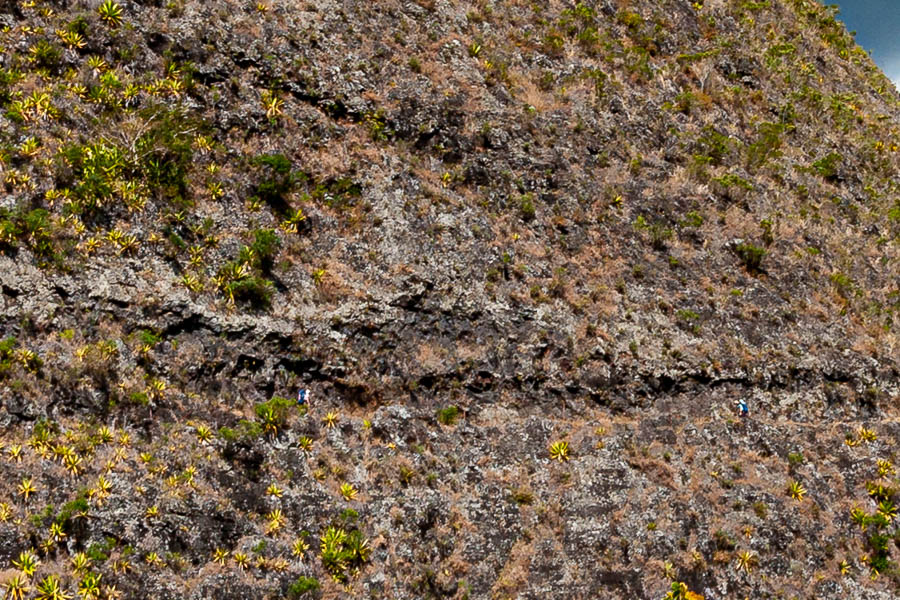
pixel 877 26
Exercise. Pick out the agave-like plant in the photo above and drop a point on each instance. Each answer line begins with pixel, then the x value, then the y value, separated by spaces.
pixel 559 450
pixel 110 12
pixel 348 491
pixel 272 103
pixel 866 435
pixel 746 560
pixel 358 547
pixel 887 509
pixel 89 586
pixel 220 556
pixel 270 418
pixel 16 588
pixel 26 487
pixel 796 490
pixel 27 563
pixel 299 547
pixel 844 566
pixel 80 563
pixel 885 468
pixel 330 419
pixel 275 519
pixel 241 560
pixel 50 588
pixel 331 551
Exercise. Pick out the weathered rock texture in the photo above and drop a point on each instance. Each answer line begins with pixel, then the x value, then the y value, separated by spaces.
pixel 600 223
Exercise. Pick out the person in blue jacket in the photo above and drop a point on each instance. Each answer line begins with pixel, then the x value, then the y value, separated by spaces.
pixel 303 397
pixel 743 408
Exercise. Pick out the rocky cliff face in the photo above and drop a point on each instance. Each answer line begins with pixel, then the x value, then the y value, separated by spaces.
pixel 527 257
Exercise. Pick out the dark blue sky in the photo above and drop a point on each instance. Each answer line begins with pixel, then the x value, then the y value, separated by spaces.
pixel 877 25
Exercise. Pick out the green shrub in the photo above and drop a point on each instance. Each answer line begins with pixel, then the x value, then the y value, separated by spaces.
pixel 33 228
pixel 349 516
pixel 730 180
pixel 9 229
pixel 687 315
pixel 254 290
pixel 448 416
pixel 523 496
pixel 338 194
pixel 274 413
pixel 245 431
pixel 340 551
pixel 685 101
pixel 78 25
pixel 713 144
pixel 100 552
pixel 526 206
pixel 724 541
pixel 599 78
pixel 277 181
pixel 40 519
pixel 751 256
pixel 149 338
pixel 139 398
pixel 767 144
pixel 303 585
pixel 827 167
pixel 686 59
pixel 377 124
pixel 79 505
pixel 7 346
pixel 659 235
pixel 692 219
pixel 265 246
pixel 46 55
pixel 165 152
pixel 630 19
pixel 176 240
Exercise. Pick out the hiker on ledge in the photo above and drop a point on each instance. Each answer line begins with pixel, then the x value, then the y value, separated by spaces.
pixel 303 397
pixel 743 409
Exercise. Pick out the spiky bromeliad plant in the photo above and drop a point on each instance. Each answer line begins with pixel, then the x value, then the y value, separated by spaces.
pixel 348 491
pixel 796 490
pixel 16 587
pixel 110 12
pixel 559 450
pixel 27 563
pixel 745 561
pixel 50 588
pixel 89 586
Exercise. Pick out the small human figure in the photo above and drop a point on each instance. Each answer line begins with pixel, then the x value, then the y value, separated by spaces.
pixel 743 409
pixel 303 397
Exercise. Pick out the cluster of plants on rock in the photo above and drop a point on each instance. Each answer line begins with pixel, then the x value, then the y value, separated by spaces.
pixel 273 414
pixel 342 551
